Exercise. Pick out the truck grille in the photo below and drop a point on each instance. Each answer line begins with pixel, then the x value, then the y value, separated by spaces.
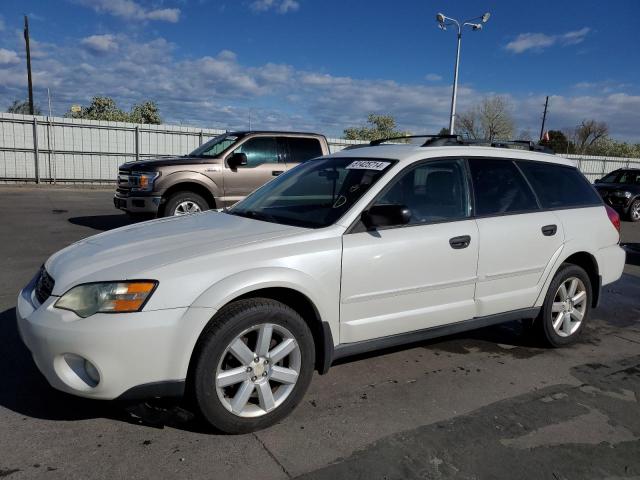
pixel 123 182
pixel 44 286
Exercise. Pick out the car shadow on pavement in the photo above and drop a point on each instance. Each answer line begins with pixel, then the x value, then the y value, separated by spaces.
pixel 104 222
pixel 633 253
pixel 26 392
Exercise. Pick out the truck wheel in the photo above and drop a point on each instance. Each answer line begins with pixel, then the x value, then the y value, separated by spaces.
pixel 253 365
pixel 566 306
pixel 185 203
pixel 634 211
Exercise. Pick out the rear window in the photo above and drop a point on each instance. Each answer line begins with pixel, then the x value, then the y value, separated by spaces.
pixel 303 149
pixel 500 188
pixel 558 186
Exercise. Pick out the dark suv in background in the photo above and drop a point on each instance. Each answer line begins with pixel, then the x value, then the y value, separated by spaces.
pixel 621 190
pixel 215 175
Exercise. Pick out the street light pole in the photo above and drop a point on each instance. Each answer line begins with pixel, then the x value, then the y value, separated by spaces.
pixel 443 23
pixel 454 95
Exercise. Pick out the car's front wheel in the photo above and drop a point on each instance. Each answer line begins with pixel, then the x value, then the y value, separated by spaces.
pixel 634 211
pixel 184 203
pixel 254 363
pixel 566 306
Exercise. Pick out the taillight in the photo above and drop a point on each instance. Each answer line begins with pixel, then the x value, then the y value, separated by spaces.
pixel 614 217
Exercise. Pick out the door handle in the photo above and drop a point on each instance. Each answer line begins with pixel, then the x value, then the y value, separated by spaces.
pixel 275 173
pixel 460 242
pixel 549 230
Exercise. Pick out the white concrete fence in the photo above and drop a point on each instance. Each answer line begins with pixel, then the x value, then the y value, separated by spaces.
pixel 63 150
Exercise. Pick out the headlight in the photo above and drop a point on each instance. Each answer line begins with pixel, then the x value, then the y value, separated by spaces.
pixel 107 297
pixel 619 193
pixel 143 181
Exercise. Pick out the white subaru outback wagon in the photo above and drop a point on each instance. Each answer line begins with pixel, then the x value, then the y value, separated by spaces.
pixel 352 252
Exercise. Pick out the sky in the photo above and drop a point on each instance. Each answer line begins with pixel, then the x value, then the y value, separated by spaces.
pixel 324 65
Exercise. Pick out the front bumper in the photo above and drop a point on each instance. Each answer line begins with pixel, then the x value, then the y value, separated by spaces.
pixel 134 204
pixel 128 350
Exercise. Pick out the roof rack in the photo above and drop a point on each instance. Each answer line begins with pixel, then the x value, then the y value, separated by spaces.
pixel 459 140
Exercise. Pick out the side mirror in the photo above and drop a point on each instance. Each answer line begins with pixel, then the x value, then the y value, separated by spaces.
pixel 237 159
pixel 597 180
pixel 386 216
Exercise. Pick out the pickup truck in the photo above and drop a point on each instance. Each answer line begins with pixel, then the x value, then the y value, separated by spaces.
pixel 217 174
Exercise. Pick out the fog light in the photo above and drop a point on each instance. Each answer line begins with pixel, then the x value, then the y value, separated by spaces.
pixel 92 372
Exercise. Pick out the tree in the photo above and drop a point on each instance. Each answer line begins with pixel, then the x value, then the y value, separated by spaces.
pixel 443 131
pixel 379 126
pixel 105 108
pixel 146 112
pixel 557 142
pixel 588 134
pixel 491 120
pixel 22 107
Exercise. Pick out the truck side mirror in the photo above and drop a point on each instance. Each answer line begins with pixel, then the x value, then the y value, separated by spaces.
pixel 237 159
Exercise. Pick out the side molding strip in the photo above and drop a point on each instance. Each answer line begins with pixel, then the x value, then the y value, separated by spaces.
pixel 355 348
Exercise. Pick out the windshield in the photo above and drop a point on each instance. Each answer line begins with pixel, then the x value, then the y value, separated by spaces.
pixel 625 177
pixel 314 194
pixel 215 146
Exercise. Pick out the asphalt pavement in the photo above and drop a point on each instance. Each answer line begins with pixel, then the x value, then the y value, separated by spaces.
pixel 486 404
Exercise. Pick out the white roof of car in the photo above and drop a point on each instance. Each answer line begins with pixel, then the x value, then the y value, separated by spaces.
pixel 411 153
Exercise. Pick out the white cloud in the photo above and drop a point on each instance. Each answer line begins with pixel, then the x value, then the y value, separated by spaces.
pixel 280 6
pixel 540 41
pixel 8 57
pixel 130 10
pixel 100 43
pixel 433 77
pixel 221 91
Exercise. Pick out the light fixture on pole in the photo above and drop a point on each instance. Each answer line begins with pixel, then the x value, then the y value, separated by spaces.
pixel 443 23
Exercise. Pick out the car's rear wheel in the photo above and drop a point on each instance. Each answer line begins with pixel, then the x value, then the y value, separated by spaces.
pixel 634 211
pixel 253 365
pixel 184 203
pixel 566 306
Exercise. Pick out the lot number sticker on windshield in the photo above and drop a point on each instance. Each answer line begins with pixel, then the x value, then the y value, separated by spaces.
pixel 367 165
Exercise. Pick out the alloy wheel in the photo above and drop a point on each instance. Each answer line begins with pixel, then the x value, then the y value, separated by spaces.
pixel 569 306
pixel 187 207
pixel 258 370
pixel 635 211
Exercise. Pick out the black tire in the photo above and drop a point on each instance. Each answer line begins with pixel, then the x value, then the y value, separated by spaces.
pixel 230 322
pixel 634 207
pixel 183 196
pixel 544 321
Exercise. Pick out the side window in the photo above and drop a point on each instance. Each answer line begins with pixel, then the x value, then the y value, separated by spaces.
pixel 259 150
pixel 434 191
pixel 499 187
pixel 558 186
pixel 303 149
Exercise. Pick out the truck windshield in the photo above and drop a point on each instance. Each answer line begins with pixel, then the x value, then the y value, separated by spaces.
pixel 215 146
pixel 314 194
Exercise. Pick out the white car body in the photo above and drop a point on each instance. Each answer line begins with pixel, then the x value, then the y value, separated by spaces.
pixel 368 291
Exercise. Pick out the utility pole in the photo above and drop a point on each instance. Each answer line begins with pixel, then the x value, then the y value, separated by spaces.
pixel 26 41
pixel 544 117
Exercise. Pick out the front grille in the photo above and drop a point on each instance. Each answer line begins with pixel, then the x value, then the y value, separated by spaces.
pixel 123 182
pixel 44 286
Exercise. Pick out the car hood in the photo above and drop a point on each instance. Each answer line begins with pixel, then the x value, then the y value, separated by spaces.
pixel 155 163
pixel 129 252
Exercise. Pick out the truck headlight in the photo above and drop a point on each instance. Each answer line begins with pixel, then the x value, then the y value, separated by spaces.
pixel 107 297
pixel 143 181
pixel 619 193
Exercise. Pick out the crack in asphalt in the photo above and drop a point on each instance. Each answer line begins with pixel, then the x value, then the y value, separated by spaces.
pixel 275 459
